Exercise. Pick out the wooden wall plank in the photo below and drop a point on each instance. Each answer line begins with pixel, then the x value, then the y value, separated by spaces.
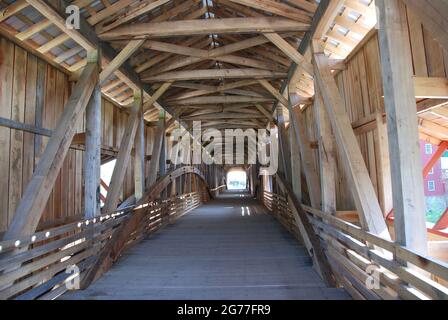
pixel 434 56
pixel 355 170
pixel 37 192
pixel 417 44
pixel 39 112
pixel 16 144
pixel 108 124
pixel 65 170
pixel 6 85
pixel 48 122
pixel 59 107
pixel 43 91
pixel 30 116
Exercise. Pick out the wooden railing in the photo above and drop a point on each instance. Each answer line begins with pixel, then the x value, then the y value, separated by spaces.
pixel 286 207
pixel 369 267
pixel 279 207
pixel 44 265
pixel 219 189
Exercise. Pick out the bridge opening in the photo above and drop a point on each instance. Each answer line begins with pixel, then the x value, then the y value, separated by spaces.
pixel 237 179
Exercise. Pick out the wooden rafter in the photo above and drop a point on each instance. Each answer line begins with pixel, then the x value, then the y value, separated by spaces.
pixel 215 74
pixel 204 27
pixel 281 9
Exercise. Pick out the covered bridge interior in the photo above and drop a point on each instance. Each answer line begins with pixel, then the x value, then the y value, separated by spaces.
pixel 114 157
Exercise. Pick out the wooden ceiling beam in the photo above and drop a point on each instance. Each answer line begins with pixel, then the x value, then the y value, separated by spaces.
pixel 215 74
pixel 222 55
pixel 201 54
pixel 124 55
pixel 274 92
pixel 198 93
pixel 164 56
pixel 53 43
pixel 58 21
pixel 224 115
pixel 88 39
pixel 264 112
pixel 351 25
pixel 220 99
pixel 289 51
pixel 433 128
pixel 32 30
pixel 328 17
pixel 68 54
pixel 177 61
pixel 144 7
pixel 429 104
pixel 440 112
pixel 204 27
pixel 236 8
pixel 12 9
pixel 148 104
pixel 108 11
pixel 201 89
pixel 309 6
pixel 277 8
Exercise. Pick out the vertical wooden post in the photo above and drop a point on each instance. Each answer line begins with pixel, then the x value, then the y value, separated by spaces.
pixel 326 155
pixel 215 179
pixel 295 165
pixel 284 152
pixel 155 155
pixel 306 153
pixel 255 179
pixel 384 174
pixel 295 153
pixel 139 155
pixel 92 155
pixel 163 150
pixel 250 181
pixel 192 183
pixel 186 183
pixel 162 158
pixel 173 191
pixel 180 184
pixel 399 98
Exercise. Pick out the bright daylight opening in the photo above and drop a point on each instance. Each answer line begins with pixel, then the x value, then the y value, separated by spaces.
pixel 106 171
pixel 236 180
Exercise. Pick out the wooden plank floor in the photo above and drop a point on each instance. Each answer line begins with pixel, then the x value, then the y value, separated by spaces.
pixel 227 249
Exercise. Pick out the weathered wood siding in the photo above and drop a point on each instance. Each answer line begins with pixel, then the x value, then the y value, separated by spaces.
pixel 34 92
pixel 362 91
